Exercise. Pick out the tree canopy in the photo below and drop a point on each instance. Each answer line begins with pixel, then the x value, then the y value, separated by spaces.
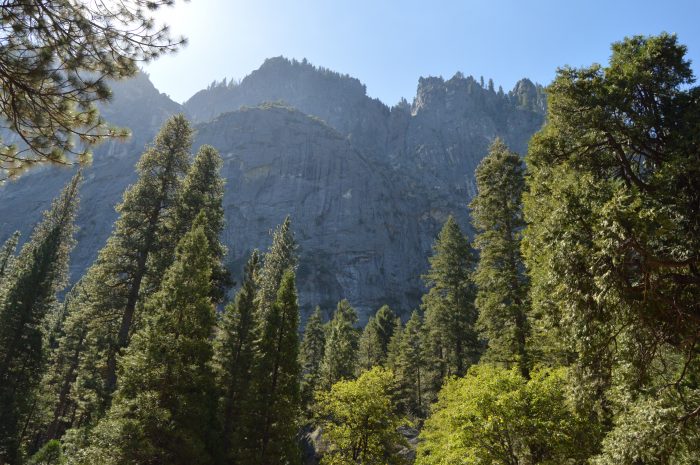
pixel 56 58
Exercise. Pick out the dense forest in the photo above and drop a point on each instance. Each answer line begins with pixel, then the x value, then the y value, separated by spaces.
pixel 565 331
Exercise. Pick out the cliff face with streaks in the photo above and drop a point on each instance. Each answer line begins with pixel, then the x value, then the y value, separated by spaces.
pixel 368 187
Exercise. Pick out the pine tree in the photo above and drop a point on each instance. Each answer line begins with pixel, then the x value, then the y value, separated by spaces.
pixel 369 353
pixel 451 341
pixel 279 258
pixel 40 271
pixel 7 256
pixel 409 368
pixel 233 357
pixel 394 348
pixel 202 190
pixel 164 408
pixel 385 320
pixel 311 355
pixel 56 406
pixel 114 285
pixel 340 354
pixel 497 217
pixel 274 407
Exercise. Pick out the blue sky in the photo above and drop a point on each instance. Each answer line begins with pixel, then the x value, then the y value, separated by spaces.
pixel 389 44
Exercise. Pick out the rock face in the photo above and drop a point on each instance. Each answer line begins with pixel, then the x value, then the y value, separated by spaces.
pixel 368 187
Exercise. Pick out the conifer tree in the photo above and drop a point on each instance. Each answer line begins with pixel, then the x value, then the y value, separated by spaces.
pixel 369 352
pixel 394 348
pixel 451 341
pixel 340 354
pixel 40 271
pixel 233 357
pixel 56 406
pixel 311 355
pixel 202 190
pixel 274 407
pixel 385 320
pixel 409 368
pixel 164 408
pixel 279 258
pixel 7 255
pixel 501 298
pixel 113 286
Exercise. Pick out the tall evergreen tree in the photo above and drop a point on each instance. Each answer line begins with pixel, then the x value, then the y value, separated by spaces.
pixel 385 320
pixel 202 190
pixel 369 353
pixel 340 354
pixel 40 271
pixel 501 298
pixel 164 408
pixel 409 368
pixel 272 417
pixel 7 256
pixel 394 348
pixel 233 358
pixel 114 285
pixel 279 258
pixel 451 341
pixel 311 355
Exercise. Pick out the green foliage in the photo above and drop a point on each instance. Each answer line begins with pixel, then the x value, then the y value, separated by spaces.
pixel 501 298
pixel 409 368
pixel 451 343
pixel 394 348
pixel 369 353
pixel 279 258
pixel 233 357
pixel 385 319
pixel 28 294
pixel 495 416
pixel 358 421
pixel 7 256
pixel 50 454
pixel 612 243
pixel 274 408
pixel 114 286
pixel 202 190
pixel 311 355
pixel 56 59
pixel 164 408
pixel 340 354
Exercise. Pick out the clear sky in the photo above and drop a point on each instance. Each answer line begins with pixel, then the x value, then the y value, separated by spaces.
pixel 389 44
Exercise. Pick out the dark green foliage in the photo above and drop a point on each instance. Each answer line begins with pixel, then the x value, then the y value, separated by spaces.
pixel 451 343
pixel 280 258
pixel 271 422
pixel 612 244
pixel 385 319
pixel 50 454
pixel 233 357
pixel 164 408
pixel 7 256
pixel 340 354
pixel 202 190
pixel 311 355
pixel 28 294
pixel 501 298
pixel 113 287
pixel 394 347
pixel 56 58
pixel 409 369
pixel 369 353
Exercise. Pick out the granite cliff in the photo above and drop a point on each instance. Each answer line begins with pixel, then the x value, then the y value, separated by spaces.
pixel 368 186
